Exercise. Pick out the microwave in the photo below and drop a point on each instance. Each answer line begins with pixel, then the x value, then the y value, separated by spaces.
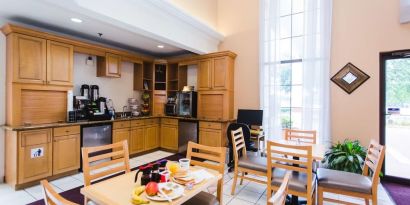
pixel 171 109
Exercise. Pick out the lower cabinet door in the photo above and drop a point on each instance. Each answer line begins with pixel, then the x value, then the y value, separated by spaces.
pixel 136 140
pixel 66 153
pixel 169 137
pixel 210 137
pixel 35 155
pixel 119 135
pixel 151 137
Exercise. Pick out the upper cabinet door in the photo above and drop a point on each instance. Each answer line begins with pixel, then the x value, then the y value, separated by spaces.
pixel 109 66
pixel 220 73
pixel 204 75
pixel 113 65
pixel 59 63
pixel 29 59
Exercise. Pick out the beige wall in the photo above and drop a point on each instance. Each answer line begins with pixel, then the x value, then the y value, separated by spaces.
pixel 361 30
pixel 203 10
pixel 238 20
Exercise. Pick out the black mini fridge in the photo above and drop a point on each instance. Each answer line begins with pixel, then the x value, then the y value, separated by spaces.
pixel 187 104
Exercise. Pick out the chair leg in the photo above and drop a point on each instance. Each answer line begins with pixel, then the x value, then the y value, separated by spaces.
pixel 314 197
pixel 85 201
pixel 268 193
pixel 374 199
pixel 367 201
pixel 319 196
pixel 235 178
pixel 243 175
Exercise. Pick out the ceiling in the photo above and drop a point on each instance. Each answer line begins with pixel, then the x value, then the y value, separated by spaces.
pixel 51 17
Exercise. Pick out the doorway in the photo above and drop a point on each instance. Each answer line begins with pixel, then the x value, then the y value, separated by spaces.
pixel 395 114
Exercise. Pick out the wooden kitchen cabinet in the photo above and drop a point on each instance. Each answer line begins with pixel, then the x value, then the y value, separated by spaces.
pixel 59 63
pixel 169 134
pixel 39 61
pixel 66 153
pixel 151 137
pixel 212 133
pixel 216 73
pixel 119 135
pixel 109 65
pixel 28 58
pixel 204 77
pixel 136 142
pixel 35 155
pixel 159 101
pixel 214 104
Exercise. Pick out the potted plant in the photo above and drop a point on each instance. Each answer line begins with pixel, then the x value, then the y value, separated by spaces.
pixel 348 156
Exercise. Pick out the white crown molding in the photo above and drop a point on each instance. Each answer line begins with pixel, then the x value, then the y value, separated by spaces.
pixel 156 19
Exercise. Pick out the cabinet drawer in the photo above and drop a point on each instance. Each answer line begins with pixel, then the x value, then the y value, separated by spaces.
pixel 151 121
pixel 135 123
pixel 121 124
pixel 66 130
pixel 35 137
pixel 210 125
pixel 169 121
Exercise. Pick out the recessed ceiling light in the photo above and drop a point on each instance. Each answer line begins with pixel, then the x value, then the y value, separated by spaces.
pixel 76 20
pixel 160 46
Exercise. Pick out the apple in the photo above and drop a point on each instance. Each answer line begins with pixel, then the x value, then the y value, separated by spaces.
pixel 151 189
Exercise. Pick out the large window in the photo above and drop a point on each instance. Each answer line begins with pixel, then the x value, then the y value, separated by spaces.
pixel 295 46
pixel 290 56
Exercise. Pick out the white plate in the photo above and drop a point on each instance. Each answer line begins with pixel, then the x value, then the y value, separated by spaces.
pixel 177 191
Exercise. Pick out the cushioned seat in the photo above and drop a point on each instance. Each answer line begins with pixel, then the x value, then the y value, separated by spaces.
pixel 253 162
pixel 204 198
pixel 297 181
pixel 344 181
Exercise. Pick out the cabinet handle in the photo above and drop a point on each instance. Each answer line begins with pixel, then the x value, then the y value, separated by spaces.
pixel 48 82
pixel 44 82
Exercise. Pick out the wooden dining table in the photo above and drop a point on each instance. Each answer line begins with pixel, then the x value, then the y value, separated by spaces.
pixel 318 150
pixel 117 190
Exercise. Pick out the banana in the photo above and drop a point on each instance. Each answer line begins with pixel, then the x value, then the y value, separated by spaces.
pixel 136 200
pixel 138 190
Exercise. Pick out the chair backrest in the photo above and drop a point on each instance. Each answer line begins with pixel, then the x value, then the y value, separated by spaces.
pixel 374 161
pixel 292 158
pixel 51 197
pixel 208 157
pixel 305 136
pixel 238 143
pixel 100 165
pixel 280 196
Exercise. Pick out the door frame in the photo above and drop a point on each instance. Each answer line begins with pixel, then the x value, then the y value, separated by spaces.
pixel 382 105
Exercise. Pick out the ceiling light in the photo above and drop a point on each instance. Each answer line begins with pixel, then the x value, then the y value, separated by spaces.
pixel 76 20
pixel 160 46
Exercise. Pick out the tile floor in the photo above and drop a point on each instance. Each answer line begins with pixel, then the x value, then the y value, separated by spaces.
pixel 245 194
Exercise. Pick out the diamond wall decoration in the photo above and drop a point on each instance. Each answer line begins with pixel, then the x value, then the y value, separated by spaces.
pixel 349 78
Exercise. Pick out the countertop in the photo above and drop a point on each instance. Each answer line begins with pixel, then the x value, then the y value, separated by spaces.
pixel 64 124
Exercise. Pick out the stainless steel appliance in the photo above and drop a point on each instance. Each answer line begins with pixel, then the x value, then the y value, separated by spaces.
pixel 85 91
pixel 95 92
pixel 187 131
pixel 187 103
pixel 96 135
pixel 171 107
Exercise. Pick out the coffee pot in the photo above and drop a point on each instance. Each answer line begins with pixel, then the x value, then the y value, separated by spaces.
pixel 146 174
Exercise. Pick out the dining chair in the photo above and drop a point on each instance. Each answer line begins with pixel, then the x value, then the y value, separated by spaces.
pixel 210 158
pixel 102 161
pixel 305 136
pixel 250 164
pixel 351 184
pixel 51 197
pixel 296 159
pixel 280 196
